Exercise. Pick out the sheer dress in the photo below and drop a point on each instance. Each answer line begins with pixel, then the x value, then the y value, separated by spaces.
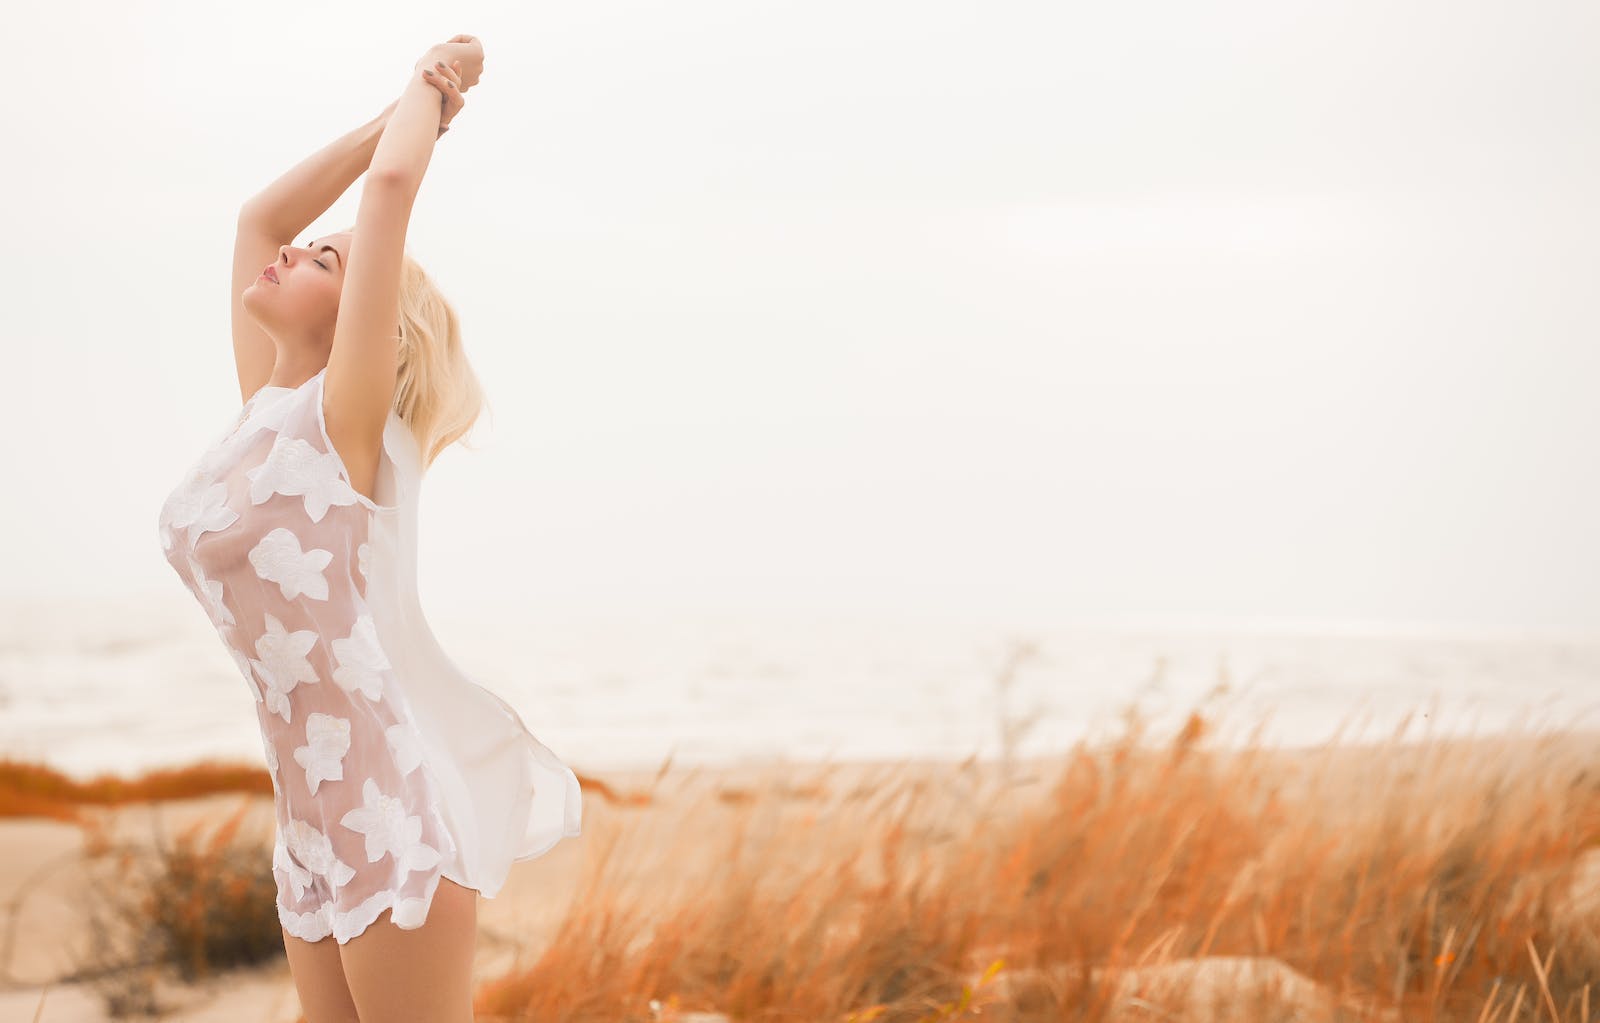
pixel 391 767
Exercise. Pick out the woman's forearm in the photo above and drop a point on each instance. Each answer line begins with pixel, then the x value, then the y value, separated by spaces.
pixel 290 204
pixel 406 142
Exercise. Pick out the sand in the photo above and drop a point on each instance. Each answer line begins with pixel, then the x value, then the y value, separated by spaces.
pixel 42 878
pixel 43 884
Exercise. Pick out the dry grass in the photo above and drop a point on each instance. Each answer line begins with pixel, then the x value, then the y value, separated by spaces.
pixel 1131 880
pixel 1425 881
pixel 192 906
pixel 36 790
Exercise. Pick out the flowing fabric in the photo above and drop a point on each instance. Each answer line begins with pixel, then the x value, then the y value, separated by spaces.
pixel 391 767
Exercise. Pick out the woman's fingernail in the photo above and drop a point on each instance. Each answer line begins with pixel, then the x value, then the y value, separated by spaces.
pixel 427 70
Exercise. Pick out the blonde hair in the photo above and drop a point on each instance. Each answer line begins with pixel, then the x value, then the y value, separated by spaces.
pixel 437 393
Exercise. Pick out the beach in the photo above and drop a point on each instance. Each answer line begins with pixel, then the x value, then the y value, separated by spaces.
pixel 670 822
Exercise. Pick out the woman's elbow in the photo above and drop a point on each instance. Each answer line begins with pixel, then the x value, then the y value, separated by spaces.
pixel 394 177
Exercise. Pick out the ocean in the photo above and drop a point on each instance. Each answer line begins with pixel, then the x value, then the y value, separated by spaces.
pixel 122 685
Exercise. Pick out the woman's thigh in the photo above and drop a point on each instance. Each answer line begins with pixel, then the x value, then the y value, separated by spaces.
pixel 319 980
pixel 423 975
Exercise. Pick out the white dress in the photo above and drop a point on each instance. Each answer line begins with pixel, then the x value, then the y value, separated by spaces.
pixel 390 767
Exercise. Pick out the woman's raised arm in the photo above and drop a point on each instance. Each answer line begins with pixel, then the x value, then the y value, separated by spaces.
pixel 305 191
pixel 358 388
pixel 275 217
pixel 406 144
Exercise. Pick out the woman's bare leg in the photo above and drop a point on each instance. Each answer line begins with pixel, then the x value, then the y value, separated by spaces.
pixel 319 980
pixel 423 975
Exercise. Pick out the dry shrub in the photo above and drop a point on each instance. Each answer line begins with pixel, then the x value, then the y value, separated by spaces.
pixel 1151 880
pixel 196 905
pixel 29 789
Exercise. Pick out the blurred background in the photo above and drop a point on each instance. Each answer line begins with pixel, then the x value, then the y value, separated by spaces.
pixel 865 379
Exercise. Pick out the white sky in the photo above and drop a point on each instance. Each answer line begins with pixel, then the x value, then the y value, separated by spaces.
pixel 996 310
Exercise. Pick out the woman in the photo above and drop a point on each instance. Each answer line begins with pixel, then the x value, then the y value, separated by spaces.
pixel 403 789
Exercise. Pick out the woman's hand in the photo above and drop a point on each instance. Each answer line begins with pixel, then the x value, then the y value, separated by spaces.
pixel 463 50
pixel 447 79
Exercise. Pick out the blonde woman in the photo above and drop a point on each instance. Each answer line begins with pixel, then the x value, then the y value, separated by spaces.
pixel 403 788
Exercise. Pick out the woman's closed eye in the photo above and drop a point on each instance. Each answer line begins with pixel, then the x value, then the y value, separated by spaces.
pixel 320 263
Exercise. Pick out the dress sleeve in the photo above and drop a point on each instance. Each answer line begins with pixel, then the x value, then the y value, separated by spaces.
pixel 397 461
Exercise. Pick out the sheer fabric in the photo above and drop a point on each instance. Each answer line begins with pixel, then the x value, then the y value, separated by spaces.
pixel 391 767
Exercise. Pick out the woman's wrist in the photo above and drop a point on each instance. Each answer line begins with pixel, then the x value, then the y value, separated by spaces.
pixel 469 54
pixel 447 52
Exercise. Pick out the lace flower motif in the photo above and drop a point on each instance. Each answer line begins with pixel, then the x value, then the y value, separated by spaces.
pixel 222 452
pixel 278 558
pixel 296 468
pixel 270 750
pixel 404 747
pixel 283 664
pixel 327 741
pixel 210 593
pixel 314 849
pixel 387 829
pixel 199 502
pixel 361 658
pixel 299 877
pixel 249 674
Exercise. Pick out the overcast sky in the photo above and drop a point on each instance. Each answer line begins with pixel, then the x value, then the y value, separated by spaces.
pixel 1032 311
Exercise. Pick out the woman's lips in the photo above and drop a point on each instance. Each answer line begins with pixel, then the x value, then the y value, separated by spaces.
pixel 271 274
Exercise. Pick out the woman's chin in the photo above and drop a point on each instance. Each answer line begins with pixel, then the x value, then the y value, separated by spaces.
pixel 252 298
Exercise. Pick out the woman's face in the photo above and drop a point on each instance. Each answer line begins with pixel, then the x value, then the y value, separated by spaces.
pixel 304 299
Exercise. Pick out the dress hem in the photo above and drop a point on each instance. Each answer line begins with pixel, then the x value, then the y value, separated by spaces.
pixel 406 914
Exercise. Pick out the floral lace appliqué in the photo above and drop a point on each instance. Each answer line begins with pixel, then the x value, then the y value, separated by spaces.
pixel 296 468
pixel 201 502
pixel 271 752
pixel 404 747
pixel 299 877
pixel 361 658
pixel 283 664
pixel 279 558
pixel 210 591
pixel 243 661
pixel 388 829
pixel 314 849
pixel 327 741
